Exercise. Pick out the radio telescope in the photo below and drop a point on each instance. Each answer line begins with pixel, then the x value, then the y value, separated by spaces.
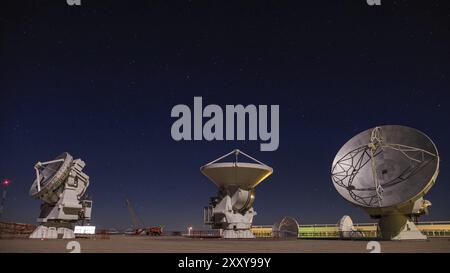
pixel 285 228
pixel 347 230
pixel 232 209
pixel 386 171
pixel 61 185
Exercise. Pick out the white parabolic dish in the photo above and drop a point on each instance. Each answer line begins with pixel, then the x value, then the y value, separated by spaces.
pixel 236 174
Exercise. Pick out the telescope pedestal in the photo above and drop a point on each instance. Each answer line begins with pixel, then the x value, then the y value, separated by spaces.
pixel 238 234
pixel 68 207
pixel 235 224
pixel 56 221
pixel 399 227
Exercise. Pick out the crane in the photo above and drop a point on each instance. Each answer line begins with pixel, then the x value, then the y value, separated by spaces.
pixel 138 225
pixel 135 220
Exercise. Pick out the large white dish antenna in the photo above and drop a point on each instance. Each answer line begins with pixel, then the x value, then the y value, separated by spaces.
pixel 385 166
pixel 232 209
pixel 386 171
pixel 285 228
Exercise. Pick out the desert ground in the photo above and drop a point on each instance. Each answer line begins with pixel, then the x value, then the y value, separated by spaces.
pixel 168 244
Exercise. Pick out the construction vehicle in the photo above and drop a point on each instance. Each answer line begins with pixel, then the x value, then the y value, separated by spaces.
pixel 155 231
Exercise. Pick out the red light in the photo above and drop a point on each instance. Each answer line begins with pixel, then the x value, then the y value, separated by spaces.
pixel 6 183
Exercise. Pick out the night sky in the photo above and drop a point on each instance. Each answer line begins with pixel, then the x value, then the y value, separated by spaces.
pixel 99 81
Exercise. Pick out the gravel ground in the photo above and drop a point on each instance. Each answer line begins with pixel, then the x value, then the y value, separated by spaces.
pixel 120 243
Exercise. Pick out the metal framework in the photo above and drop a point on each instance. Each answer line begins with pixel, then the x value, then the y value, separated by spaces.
pixel 236 153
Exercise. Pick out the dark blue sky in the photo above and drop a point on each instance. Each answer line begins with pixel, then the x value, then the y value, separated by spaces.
pixel 100 80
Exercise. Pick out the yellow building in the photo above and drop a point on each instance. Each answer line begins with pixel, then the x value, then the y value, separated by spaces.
pixel 367 230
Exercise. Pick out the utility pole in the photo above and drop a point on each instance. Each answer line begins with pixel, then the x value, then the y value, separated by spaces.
pixel 4 185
